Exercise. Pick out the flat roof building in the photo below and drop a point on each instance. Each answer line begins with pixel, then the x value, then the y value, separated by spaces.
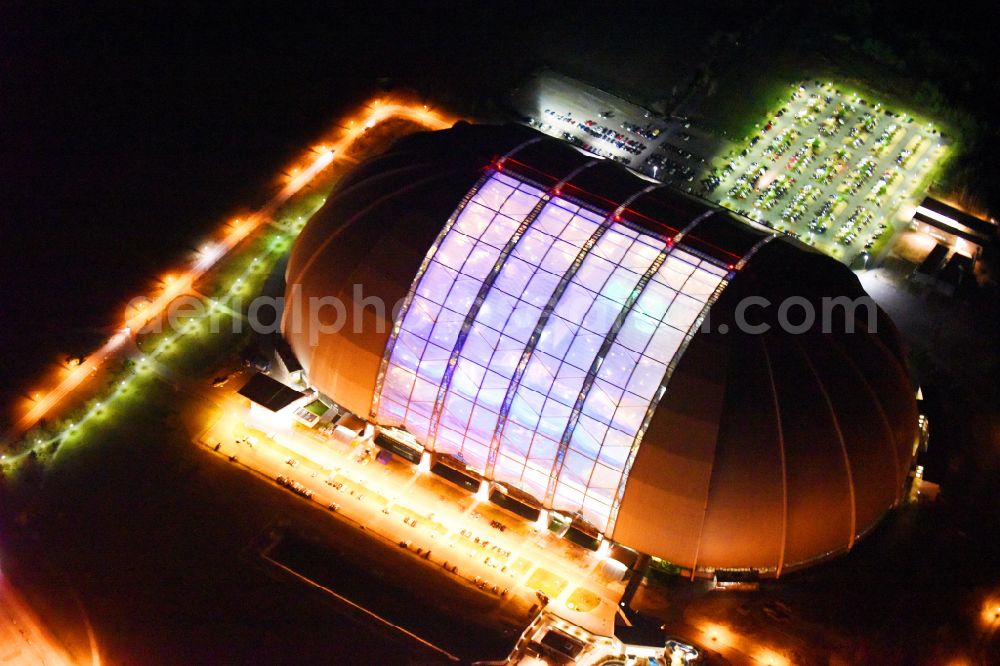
pixel 966 233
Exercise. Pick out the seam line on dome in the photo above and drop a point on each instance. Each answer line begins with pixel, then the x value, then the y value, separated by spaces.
pixel 473 313
pixel 547 310
pixel 840 439
pixel 655 402
pixel 873 397
pixel 671 366
pixel 904 375
pixel 489 172
pixel 484 290
pixel 595 366
pixel 518 148
pixel 754 250
pixel 315 255
pixel 326 241
pixel 680 351
pixel 444 387
pixel 784 469
pixel 398 324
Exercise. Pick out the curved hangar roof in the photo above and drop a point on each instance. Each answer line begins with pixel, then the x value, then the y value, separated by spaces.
pixel 548 333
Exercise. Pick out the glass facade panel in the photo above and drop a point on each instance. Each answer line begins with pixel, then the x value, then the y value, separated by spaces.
pixel 566 350
pixel 442 299
pixel 537 263
pixel 588 317
pixel 626 381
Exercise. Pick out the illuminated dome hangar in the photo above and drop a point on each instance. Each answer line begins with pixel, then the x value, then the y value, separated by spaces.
pixel 548 344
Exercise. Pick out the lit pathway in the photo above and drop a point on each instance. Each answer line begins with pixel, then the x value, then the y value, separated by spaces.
pixel 208 259
pixel 23 639
pixel 392 493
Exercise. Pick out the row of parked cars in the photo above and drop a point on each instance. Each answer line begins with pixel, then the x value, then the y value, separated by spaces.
pixel 665 166
pixel 826 160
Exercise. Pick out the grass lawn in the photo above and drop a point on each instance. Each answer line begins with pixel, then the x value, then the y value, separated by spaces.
pixel 547 583
pixel 583 600
pixel 521 566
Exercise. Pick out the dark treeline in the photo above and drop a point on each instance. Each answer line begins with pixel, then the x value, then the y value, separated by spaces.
pixel 941 58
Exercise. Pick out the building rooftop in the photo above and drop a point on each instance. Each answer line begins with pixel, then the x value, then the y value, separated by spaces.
pixel 948 218
pixel 269 392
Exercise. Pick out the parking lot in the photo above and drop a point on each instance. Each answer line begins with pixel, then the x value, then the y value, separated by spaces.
pixel 837 170
pixel 832 168
pixel 510 559
pixel 671 150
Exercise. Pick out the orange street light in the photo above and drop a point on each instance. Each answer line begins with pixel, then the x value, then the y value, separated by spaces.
pixel 990 613
pixel 211 253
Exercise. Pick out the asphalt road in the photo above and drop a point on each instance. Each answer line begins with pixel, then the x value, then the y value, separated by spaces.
pixel 380 497
pixel 23 639
pixel 183 283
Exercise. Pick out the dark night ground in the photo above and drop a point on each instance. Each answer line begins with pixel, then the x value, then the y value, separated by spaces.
pixel 126 136
pixel 155 538
pixel 152 536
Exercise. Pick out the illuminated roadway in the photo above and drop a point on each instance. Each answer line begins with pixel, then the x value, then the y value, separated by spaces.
pixel 210 256
pixel 407 492
pixel 23 639
pixel 440 519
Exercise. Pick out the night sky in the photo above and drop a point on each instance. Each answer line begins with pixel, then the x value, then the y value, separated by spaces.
pixel 126 132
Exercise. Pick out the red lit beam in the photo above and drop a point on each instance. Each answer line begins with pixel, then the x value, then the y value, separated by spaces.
pixel 569 189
